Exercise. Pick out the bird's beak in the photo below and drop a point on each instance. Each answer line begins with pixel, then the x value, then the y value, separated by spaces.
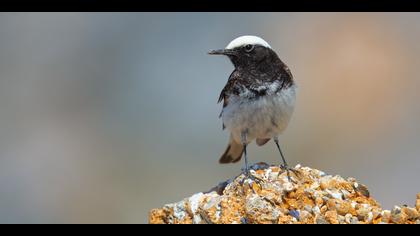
pixel 222 52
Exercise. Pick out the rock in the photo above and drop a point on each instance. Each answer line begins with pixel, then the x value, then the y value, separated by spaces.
pixel 258 209
pixel 335 194
pixel 324 209
pixel 362 189
pixel 316 210
pixel 369 217
pixel 295 214
pixel 411 213
pixel 341 219
pixel 354 220
pixel 398 216
pixel 319 201
pixel 331 204
pixel 308 208
pixel 270 198
pixel 386 216
pixel 363 211
pixel 418 202
pixel 331 216
pixel 347 218
pixel 346 194
pixel 306 217
pixel 321 220
pixel 344 207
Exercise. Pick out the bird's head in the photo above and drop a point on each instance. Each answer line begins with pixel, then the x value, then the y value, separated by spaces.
pixel 247 52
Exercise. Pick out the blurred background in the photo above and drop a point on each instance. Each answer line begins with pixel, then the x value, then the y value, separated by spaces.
pixel 104 116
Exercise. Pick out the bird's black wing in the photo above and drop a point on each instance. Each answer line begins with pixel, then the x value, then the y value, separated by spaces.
pixel 229 89
pixel 287 71
pixel 285 77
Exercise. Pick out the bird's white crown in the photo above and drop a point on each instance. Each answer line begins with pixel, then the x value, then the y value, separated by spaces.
pixel 247 39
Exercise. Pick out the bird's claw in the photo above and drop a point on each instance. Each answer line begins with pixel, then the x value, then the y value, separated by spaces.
pixel 288 170
pixel 252 177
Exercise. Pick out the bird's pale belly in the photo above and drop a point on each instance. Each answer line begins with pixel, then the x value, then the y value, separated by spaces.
pixel 263 117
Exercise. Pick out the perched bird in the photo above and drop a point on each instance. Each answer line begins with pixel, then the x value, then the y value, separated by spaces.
pixel 258 98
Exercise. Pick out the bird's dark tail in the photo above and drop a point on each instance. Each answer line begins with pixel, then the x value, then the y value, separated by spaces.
pixel 233 152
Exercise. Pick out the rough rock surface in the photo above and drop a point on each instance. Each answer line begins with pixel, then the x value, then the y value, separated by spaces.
pixel 312 197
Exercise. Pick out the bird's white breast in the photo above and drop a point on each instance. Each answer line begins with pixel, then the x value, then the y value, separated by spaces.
pixel 263 117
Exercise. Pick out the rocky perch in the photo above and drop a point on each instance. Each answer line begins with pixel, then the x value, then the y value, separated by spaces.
pixel 311 197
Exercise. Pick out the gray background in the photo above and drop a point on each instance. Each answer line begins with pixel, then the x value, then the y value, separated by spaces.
pixel 104 116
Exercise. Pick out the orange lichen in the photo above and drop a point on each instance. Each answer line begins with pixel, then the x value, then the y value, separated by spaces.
pixel 232 211
pixel 331 216
pixel 157 216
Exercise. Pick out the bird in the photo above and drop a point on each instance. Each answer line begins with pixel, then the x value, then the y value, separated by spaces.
pixel 258 98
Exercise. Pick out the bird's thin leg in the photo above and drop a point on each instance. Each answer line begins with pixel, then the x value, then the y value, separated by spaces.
pixel 247 170
pixel 246 161
pixel 276 140
pixel 284 165
pixel 244 143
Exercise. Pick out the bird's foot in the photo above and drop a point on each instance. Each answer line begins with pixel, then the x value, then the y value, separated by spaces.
pixel 254 178
pixel 288 170
pixel 249 176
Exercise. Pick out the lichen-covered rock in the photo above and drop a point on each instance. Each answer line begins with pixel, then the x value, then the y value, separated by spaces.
pixel 268 196
pixel 418 202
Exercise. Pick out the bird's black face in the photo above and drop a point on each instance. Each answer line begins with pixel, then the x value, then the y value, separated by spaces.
pixel 246 56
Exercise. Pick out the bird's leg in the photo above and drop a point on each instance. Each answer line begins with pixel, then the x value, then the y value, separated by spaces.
pixel 247 170
pixel 276 140
pixel 284 166
pixel 244 143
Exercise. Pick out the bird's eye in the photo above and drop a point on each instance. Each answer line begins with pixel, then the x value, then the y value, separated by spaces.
pixel 249 47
